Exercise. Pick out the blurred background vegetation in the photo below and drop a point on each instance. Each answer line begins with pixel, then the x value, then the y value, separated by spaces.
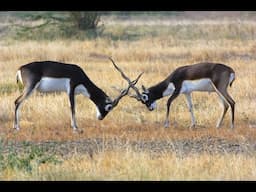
pixel 51 25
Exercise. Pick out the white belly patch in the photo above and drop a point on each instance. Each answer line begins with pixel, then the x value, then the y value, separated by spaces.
pixel 49 84
pixel 80 89
pixel 169 90
pixel 196 85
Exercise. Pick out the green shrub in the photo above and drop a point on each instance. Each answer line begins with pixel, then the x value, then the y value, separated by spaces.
pixel 32 157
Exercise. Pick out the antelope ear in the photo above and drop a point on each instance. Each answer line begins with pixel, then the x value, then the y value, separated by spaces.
pixel 108 100
pixel 135 96
pixel 144 89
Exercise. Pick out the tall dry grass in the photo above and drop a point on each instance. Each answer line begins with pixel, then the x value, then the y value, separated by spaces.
pixel 136 166
pixel 155 57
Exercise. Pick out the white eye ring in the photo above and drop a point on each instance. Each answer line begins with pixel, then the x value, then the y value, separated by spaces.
pixel 144 97
pixel 108 107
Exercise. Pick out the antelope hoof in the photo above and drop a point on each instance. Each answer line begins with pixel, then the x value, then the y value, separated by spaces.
pixel 79 131
pixel 16 127
pixel 166 124
pixel 218 126
pixel 192 126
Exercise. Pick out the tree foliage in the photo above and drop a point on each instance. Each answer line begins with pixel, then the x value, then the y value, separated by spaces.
pixel 85 20
pixel 64 24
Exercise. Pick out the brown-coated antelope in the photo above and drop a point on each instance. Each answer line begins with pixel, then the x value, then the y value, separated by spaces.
pixel 209 77
pixel 50 76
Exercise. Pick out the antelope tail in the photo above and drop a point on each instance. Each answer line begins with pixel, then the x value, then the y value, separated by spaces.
pixel 18 77
pixel 232 78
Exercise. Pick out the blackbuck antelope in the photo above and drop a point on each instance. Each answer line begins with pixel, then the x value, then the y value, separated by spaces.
pixel 50 76
pixel 209 77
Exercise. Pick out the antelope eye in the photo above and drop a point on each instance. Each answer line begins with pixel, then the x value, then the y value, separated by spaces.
pixel 108 107
pixel 144 97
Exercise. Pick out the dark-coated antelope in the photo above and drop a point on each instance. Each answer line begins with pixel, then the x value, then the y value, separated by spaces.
pixel 50 76
pixel 209 77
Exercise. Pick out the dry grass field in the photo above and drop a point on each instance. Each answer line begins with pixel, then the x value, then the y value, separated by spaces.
pixel 47 117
